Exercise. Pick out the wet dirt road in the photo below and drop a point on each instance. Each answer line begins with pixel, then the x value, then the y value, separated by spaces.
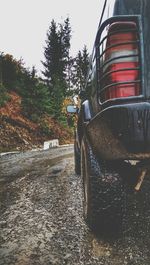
pixel 41 219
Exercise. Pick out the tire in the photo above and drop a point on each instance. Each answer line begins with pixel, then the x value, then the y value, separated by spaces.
pixel 77 159
pixel 103 194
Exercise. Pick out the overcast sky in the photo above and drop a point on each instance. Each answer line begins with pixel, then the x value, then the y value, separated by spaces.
pixel 24 23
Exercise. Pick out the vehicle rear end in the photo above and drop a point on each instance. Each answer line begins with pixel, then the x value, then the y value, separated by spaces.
pixel 115 147
pixel 121 128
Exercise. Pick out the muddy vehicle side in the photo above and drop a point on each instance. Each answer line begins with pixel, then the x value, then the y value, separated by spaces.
pixel 113 132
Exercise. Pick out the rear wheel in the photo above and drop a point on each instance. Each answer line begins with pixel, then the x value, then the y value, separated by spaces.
pixel 103 193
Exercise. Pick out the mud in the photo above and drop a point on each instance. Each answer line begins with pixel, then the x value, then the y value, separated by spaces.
pixel 41 220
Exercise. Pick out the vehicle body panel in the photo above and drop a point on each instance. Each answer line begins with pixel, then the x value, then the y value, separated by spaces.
pixel 119 128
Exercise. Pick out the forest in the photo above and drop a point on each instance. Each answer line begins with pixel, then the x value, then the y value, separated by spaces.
pixel 33 108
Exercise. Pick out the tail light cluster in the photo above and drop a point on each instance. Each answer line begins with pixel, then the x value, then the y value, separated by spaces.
pixel 119 74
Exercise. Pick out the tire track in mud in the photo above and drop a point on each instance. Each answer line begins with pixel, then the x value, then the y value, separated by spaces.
pixel 41 221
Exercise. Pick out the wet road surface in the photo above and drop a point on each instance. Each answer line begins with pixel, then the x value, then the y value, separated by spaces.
pixel 41 218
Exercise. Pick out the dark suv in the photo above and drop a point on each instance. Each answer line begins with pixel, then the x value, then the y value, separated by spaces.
pixel 112 140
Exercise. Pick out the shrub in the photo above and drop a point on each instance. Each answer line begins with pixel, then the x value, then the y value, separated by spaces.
pixel 4 97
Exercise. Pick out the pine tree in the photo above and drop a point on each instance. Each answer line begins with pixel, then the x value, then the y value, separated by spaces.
pixel 78 74
pixel 70 76
pixel 52 55
pixel 56 52
pixel 81 66
pixel 56 61
pixel 85 64
pixel 35 96
pixel 65 36
pixel 9 71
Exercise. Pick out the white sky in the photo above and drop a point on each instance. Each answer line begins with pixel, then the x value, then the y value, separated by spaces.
pixel 24 23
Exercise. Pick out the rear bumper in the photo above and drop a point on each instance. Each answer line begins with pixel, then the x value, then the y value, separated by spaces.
pixel 121 132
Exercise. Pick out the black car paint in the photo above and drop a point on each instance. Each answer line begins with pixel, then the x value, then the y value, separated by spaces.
pixel 120 129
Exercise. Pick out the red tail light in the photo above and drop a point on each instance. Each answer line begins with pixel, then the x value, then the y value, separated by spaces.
pixel 121 62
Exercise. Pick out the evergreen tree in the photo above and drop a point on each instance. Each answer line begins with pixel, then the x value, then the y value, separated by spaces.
pixel 14 76
pixel 4 97
pixel 65 36
pixel 56 62
pixel 78 72
pixel 57 98
pixel 56 52
pixel 35 96
pixel 9 71
pixel 85 64
pixel 81 66
pixel 33 72
pixel 52 55
pixel 70 76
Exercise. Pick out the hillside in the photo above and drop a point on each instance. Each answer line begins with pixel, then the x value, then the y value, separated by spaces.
pixel 19 133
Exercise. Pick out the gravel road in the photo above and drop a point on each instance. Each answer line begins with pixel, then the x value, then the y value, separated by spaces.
pixel 41 220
